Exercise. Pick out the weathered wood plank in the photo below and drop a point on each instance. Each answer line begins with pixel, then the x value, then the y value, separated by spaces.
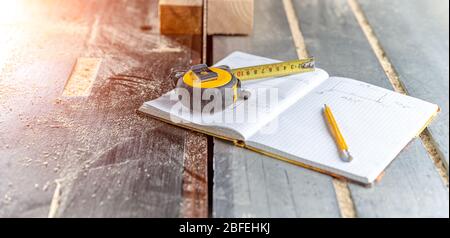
pixel 195 176
pixel 109 160
pixel 247 184
pixel 139 178
pixel 416 41
pixel 411 186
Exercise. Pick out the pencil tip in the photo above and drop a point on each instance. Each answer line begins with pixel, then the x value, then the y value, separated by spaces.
pixel 346 156
pixel 350 157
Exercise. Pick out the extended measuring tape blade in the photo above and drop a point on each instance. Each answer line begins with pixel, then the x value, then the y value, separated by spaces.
pixel 274 70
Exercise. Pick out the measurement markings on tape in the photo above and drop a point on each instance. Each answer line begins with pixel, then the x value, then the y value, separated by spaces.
pixel 223 78
pixel 275 70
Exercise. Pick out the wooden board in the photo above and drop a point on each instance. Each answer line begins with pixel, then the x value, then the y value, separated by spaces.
pixel 416 41
pixel 411 186
pixel 230 17
pixel 181 16
pixel 247 184
pixel 107 160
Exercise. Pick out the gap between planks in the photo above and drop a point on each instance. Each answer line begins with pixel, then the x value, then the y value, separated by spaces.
pixel 204 32
pixel 343 195
pixel 391 73
pixel 56 200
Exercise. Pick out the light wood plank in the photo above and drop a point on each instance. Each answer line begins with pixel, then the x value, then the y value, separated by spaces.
pixel 334 37
pixel 230 17
pixel 247 184
pixel 181 17
pixel 416 41
pixel 82 77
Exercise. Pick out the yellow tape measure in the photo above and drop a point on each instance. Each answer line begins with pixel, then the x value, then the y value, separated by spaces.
pixel 225 84
pixel 274 70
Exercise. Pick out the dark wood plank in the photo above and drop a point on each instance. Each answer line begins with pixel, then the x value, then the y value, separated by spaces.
pixel 411 186
pixel 113 185
pixel 416 41
pixel 248 184
pixel 110 161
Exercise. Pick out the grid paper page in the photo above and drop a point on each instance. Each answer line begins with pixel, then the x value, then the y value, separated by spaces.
pixel 376 124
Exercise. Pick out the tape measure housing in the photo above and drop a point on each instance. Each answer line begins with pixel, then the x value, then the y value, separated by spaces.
pixel 224 87
pixel 222 78
pixel 205 84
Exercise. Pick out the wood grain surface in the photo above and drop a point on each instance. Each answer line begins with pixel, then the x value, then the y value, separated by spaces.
pixel 248 184
pixel 410 187
pixel 181 17
pixel 230 17
pixel 334 37
pixel 108 160
pixel 416 41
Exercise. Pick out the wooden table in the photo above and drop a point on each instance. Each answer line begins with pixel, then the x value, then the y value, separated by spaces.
pixel 94 156
pixel 107 160
pixel 412 34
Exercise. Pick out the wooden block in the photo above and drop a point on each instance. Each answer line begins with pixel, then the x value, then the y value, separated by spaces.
pixel 231 17
pixel 181 17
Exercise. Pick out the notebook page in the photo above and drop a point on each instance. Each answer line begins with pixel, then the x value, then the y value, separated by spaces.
pixel 290 90
pixel 376 124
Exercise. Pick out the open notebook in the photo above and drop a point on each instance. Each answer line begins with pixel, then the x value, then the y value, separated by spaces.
pixel 377 123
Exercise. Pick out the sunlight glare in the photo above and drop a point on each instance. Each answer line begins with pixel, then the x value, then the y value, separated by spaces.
pixel 10 10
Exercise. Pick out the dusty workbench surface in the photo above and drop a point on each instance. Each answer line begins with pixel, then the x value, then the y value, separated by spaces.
pixel 73 73
pixel 400 45
pixel 65 153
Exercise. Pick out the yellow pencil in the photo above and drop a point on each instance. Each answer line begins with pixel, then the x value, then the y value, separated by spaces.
pixel 332 124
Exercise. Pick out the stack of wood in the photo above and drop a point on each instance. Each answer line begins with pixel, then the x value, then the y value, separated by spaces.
pixel 229 17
